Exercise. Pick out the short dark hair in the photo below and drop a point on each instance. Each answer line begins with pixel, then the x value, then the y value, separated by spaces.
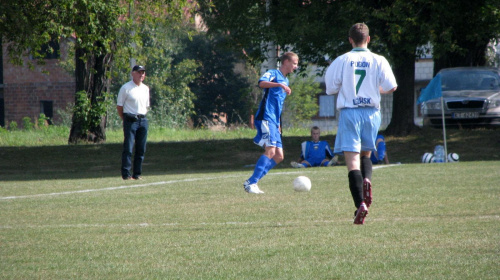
pixel 359 33
pixel 315 128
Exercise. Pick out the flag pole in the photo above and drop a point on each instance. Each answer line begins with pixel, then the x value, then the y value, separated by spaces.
pixel 444 131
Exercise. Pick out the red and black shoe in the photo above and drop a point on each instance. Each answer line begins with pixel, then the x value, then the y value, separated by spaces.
pixel 361 214
pixel 367 192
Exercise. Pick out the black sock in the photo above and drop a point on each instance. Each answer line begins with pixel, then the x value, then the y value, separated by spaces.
pixel 356 186
pixel 366 167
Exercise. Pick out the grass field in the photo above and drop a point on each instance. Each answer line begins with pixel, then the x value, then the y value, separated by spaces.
pixel 66 214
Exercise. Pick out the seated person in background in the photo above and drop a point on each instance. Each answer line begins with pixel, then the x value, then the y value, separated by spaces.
pixel 380 155
pixel 315 152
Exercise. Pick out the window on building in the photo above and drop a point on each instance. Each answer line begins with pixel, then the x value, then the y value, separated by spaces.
pixel 46 108
pixel 327 106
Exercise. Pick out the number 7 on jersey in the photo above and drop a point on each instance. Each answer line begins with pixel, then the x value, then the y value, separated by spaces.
pixel 362 74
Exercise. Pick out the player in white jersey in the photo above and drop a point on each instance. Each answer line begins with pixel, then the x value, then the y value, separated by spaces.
pixel 359 77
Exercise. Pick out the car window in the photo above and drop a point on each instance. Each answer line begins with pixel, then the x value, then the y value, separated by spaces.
pixel 470 80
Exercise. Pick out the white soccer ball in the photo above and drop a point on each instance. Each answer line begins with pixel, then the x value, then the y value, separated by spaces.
pixel 302 184
pixel 453 157
pixel 428 158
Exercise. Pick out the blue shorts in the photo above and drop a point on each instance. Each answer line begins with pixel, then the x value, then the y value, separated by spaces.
pixel 357 129
pixel 268 134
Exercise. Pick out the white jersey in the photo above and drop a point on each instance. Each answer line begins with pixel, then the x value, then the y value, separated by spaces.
pixel 134 98
pixel 357 76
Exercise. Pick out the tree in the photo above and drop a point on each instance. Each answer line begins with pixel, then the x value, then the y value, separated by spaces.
pixel 95 25
pixel 301 104
pixel 458 42
pixel 401 28
pixel 222 85
pixel 317 31
pixel 158 40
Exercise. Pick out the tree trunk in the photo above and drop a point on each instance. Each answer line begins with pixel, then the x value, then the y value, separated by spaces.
pixel 90 78
pixel 402 121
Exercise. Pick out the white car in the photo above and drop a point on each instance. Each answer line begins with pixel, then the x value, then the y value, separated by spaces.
pixel 471 97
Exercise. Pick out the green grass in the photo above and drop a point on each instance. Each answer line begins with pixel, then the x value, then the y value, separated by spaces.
pixel 427 222
pixel 66 213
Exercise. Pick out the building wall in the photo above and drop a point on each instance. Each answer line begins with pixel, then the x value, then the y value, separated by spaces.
pixel 24 89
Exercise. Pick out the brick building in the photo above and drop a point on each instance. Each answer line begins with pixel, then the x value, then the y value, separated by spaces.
pixel 28 92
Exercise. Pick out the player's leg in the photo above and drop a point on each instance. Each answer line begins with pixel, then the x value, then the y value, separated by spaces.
pixel 349 140
pixel 356 186
pixel 275 150
pixel 355 177
pixel 271 164
pixel 371 125
pixel 366 171
pixel 381 150
pixel 260 168
pixel 269 137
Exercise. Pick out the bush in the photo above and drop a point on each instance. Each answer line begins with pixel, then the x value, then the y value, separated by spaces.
pixel 27 124
pixel 43 121
pixel 13 125
pixel 301 105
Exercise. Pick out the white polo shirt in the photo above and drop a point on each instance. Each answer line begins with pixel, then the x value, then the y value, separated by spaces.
pixel 134 98
pixel 356 76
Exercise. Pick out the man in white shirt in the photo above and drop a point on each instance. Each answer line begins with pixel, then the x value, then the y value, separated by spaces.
pixel 132 105
pixel 359 77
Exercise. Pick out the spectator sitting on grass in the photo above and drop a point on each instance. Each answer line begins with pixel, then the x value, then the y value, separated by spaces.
pixel 315 153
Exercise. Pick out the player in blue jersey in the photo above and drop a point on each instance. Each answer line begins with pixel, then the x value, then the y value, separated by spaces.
pixel 315 152
pixel 267 119
pixel 359 77
pixel 380 154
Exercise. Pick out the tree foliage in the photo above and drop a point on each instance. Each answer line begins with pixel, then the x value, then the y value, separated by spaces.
pixel 99 28
pixel 223 84
pixel 301 105
pixel 318 30
pixel 460 31
pixel 157 40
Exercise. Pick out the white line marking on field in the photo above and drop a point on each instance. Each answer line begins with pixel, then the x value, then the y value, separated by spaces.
pixel 129 186
pixel 151 184
pixel 257 223
pixel 108 189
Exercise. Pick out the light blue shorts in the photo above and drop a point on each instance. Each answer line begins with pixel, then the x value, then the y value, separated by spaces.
pixel 268 134
pixel 357 129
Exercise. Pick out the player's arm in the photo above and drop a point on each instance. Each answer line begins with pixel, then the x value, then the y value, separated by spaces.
pixel 388 91
pixel 266 84
pixel 333 80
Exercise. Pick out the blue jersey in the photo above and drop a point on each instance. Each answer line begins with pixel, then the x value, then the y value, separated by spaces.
pixel 271 105
pixel 316 152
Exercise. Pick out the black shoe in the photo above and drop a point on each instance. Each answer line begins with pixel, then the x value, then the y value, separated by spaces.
pixel 127 178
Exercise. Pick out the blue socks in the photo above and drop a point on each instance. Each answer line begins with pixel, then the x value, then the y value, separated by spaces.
pixel 381 150
pixel 269 166
pixel 264 164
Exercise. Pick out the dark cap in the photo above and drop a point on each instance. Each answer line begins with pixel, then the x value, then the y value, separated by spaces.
pixel 138 68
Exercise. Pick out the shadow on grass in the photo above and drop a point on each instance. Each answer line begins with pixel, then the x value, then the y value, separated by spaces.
pixel 98 161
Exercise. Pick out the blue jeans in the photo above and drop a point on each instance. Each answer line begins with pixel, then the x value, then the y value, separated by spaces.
pixel 135 134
